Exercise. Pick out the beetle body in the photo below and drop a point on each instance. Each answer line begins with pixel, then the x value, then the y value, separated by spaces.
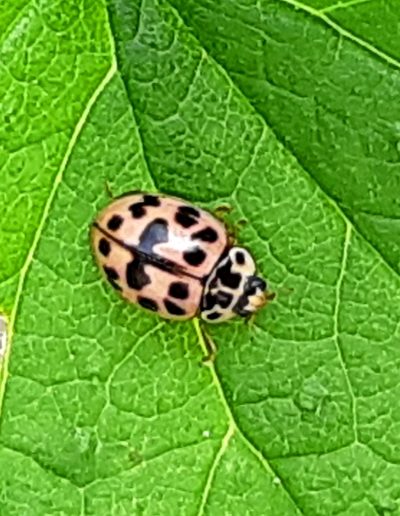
pixel 175 259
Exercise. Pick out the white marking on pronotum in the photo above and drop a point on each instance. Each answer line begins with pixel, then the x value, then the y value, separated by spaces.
pixel 3 335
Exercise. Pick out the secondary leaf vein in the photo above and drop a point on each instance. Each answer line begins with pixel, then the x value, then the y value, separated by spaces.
pixel 232 422
pixel 343 5
pixel 344 32
pixel 336 329
pixel 46 210
pixel 211 474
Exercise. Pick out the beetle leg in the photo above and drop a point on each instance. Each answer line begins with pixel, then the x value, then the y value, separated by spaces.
pixel 210 346
pixel 221 210
pixel 232 228
pixel 108 190
pixel 249 320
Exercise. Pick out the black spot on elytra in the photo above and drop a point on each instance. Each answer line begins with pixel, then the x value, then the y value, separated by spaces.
pixel 187 216
pixel 151 200
pixel 179 290
pixel 104 247
pixel 137 210
pixel 240 258
pixel 207 235
pixel 189 210
pixel 111 272
pixel 227 277
pixel 184 220
pixel 213 316
pixel 115 222
pixel 136 276
pixel 194 257
pixel 112 276
pixel 147 303
pixel 172 308
pixel 154 233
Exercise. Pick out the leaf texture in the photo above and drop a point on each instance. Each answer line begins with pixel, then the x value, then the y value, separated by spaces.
pixel 288 112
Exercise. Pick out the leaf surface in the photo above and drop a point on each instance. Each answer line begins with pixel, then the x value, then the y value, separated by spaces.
pixel 327 82
pixel 107 410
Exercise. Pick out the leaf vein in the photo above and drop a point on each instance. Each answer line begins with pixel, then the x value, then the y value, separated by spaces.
pixel 245 439
pixel 14 22
pixel 343 32
pixel 139 134
pixel 45 467
pixel 343 5
pixel 45 214
pixel 214 465
pixel 234 85
pixel 336 329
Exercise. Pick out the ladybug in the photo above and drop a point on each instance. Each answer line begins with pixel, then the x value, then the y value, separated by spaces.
pixel 175 259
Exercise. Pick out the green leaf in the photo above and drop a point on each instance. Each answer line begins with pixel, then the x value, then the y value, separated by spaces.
pixel 52 58
pixel 285 111
pixel 327 82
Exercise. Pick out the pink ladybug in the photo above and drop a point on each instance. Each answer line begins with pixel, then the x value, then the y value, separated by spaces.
pixel 175 259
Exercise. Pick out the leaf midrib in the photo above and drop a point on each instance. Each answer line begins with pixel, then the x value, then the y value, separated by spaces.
pixel 320 14
pixel 233 426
